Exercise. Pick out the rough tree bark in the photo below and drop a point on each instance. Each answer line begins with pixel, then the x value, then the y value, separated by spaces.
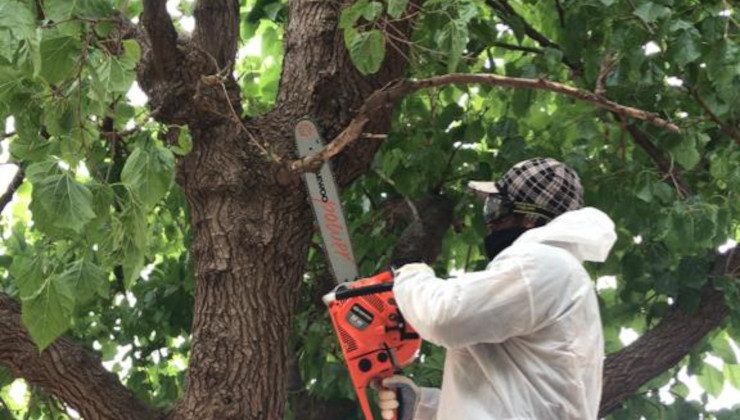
pixel 252 224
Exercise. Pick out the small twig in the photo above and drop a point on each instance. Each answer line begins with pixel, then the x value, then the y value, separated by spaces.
pixel 4 136
pixel 506 13
pixel 218 79
pixel 93 21
pixel 15 183
pixel 374 136
pixel 467 257
pixel 561 13
pixel 446 171
pixel 607 64
pixel 514 47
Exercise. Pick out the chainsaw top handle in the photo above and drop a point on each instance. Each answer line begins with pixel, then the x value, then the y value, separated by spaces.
pixel 362 291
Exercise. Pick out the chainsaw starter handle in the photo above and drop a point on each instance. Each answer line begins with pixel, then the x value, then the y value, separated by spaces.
pixel 362 291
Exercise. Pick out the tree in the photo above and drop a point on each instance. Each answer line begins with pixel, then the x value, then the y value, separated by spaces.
pixel 177 233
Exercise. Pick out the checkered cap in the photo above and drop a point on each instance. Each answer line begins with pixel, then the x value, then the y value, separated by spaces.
pixel 544 182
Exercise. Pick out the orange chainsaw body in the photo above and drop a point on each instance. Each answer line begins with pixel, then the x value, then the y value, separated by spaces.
pixel 375 339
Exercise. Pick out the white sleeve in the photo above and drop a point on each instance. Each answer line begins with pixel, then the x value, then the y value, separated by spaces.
pixel 479 307
pixel 428 403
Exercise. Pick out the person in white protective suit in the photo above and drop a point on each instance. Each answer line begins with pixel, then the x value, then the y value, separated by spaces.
pixel 524 336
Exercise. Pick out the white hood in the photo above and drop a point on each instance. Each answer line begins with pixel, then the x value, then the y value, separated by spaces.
pixel 587 233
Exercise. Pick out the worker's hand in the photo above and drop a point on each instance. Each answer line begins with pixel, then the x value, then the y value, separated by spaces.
pixel 388 397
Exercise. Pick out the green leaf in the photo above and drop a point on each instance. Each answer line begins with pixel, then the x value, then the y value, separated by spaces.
pixel 649 12
pixel 521 100
pixel 372 11
pixel 711 380
pixel 8 45
pixel 732 373
pixel 134 243
pixel 680 388
pixel 133 263
pixel 686 152
pixel 28 274
pixel 94 8
pixel 351 14
pixel 56 10
pixel 454 40
pixel 397 7
pixel 367 51
pixel 184 143
pixel 60 119
pixel 59 56
pixel 47 314
pixel 116 75
pixel 86 279
pixel 685 48
pixel 721 347
pixel 67 202
pixel 664 192
pixel 131 54
pixel 15 16
pixel 149 172
pixel 646 192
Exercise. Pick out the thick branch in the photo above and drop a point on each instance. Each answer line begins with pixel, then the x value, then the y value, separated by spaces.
pixel 162 36
pixel 15 183
pixel 667 344
pixel 387 96
pixel 664 164
pixel 729 130
pixel 67 371
pixel 217 29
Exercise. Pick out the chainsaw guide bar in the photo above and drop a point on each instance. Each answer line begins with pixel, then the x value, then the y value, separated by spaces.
pixel 324 196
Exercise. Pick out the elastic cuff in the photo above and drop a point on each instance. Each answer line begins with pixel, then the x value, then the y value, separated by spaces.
pixel 412 268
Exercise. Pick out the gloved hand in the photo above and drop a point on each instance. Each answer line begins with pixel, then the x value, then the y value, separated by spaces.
pixel 388 401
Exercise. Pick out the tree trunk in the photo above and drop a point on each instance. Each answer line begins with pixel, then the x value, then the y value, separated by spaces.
pixel 250 245
pixel 251 220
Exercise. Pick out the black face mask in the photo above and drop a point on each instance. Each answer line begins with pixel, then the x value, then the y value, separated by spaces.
pixel 501 239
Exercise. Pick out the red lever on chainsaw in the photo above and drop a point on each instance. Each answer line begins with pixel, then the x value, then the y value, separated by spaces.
pixel 376 341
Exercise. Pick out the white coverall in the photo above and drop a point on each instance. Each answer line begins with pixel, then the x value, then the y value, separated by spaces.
pixel 524 337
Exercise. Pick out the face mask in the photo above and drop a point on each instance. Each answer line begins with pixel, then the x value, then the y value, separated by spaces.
pixel 501 239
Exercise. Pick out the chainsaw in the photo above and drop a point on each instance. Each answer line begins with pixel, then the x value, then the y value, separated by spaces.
pixel 375 339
